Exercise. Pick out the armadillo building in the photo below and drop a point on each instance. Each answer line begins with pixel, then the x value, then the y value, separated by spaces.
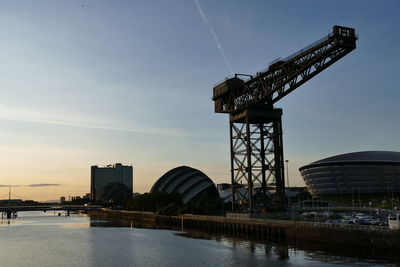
pixel 367 172
pixel 189 182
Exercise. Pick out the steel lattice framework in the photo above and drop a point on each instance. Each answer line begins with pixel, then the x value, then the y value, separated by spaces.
pixel 256 143
pixel 255 125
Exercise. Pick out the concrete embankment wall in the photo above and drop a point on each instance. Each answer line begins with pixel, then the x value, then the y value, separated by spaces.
pixel 373 237
pixel 269 229
pixel 129 215
pixel 222 225
pixel 132 218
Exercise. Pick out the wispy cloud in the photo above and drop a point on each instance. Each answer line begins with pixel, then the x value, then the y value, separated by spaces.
pixel 29 185
pixel 214 35
pixel 42 185
pixel 76 120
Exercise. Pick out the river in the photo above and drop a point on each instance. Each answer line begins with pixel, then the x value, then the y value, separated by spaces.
pixel 45 239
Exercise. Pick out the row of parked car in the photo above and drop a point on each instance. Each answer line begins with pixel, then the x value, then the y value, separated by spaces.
pixel 378 219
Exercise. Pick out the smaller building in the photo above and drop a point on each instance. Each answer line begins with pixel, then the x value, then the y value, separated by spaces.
pixel 11 202
pixel 76 198
pixel 295 193
pixel 225 192
pixel 136 194
pixel 111 184
pixel 62 200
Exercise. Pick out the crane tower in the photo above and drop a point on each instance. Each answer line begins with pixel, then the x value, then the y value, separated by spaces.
pixel 256 145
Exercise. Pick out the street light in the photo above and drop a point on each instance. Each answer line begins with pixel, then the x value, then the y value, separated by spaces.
pixel 287 172
pixel 370 210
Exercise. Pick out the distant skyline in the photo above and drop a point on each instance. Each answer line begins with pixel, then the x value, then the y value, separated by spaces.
pixel 99 82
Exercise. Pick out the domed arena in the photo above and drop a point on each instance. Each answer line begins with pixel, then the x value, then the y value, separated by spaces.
pixel 189 182
pixel 367 172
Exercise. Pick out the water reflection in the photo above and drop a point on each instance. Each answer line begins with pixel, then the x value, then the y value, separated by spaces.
pixel 310 250
pixel 6 221
pixel 110 221
pixel 284 250
pixel 43 240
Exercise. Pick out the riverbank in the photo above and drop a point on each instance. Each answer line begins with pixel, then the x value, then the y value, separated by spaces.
pixel 46 239
pixel 268 229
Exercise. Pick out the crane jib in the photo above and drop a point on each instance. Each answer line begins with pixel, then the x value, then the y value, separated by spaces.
pixel 284 75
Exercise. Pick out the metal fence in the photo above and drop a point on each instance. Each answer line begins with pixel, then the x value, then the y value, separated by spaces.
pixel 244 218
pixel 287 223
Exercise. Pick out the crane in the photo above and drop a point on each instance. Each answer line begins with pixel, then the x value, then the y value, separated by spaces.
pixel 256 144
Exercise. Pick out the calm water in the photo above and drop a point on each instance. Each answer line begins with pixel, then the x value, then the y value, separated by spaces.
pixel 44 239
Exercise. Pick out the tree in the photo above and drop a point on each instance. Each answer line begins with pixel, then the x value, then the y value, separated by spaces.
pixel 160 202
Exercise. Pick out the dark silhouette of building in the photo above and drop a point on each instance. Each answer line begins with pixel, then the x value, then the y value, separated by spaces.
pixel 189 182
pixel 358 173
pixel 111 184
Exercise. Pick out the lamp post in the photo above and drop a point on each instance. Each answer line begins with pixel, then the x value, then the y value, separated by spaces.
pixel 287 172
pixel 370 208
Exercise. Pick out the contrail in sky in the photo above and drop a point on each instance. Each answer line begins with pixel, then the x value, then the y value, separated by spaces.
pixel 215 36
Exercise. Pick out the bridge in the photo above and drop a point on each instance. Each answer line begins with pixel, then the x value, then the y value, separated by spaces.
pixel 12 210
pixel 50 208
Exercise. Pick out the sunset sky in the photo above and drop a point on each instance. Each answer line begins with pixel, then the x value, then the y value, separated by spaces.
pixel 100 82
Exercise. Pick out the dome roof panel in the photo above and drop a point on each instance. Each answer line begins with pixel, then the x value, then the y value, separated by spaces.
pixel 185 180
pixel 366 172
pixel 379 157
pixel 165 179
pixel 364 156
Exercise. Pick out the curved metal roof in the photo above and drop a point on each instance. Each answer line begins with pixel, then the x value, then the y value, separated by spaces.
pixel 185 180
pixel 363 157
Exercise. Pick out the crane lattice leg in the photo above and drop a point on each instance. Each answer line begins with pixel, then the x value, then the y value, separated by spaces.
pixel 257 173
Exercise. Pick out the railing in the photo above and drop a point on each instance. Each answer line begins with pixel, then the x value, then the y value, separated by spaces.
pixel 280 59
pixel 286 223
pixel 274 222
pixel 362 208
pixel 308 47
pixel 130 212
